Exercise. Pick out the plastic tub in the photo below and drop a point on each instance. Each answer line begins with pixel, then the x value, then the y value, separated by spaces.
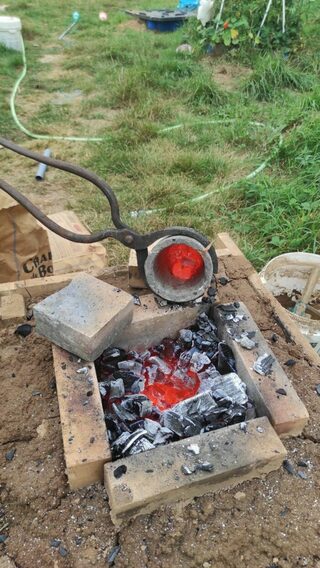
pixel 286 277
pixel 10 32
pixel 169 26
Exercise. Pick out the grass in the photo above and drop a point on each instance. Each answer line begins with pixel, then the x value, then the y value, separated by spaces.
pixel 134 84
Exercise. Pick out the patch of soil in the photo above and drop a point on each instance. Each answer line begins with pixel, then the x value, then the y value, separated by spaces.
pixel 229 76
pixel 268 525
pixel 135 25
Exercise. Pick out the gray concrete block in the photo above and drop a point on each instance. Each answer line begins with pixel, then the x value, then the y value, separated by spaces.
pixel 85 317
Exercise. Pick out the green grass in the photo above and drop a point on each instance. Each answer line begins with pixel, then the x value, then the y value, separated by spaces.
pixel 134 84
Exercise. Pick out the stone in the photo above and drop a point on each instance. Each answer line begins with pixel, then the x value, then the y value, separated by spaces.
pixel 158 476
pixel 239 496
pixel 85 317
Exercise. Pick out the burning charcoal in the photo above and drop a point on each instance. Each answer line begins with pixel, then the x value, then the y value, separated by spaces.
pixel 185 358
pixel 137 368
pixel 123 413
pixel 145 355
pixel 128 377
pixel 199 361
pixel 123 444
pixel 263 364
pixel 142 445
pixel 179 424
pixel 232 386
pixel 194 449
pixel 163 435
pixel 138 386
pixel 205 466
pixel 126 365
pixel 161 364
pixel 195 406
pixel 138 404
pixel 116 389
pixel 185 336
pixel 226 362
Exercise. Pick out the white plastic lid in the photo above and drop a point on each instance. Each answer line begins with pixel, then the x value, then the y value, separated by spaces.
pixel 10 23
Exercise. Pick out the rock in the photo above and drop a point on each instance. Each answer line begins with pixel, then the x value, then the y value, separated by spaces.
pixel 239 496
pixel 184 48
pixel 206 565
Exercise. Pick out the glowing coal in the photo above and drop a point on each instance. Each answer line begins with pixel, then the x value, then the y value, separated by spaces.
pixel 174 390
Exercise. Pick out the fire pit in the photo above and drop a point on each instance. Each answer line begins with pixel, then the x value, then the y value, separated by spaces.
pixel 174 390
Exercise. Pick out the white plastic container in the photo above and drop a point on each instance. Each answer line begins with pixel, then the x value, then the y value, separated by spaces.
pixel 10 32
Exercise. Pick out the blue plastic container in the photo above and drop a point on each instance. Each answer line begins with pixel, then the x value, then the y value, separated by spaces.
pixel 188 4
pixel 164 26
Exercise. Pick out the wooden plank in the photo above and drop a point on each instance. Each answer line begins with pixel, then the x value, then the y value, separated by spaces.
pixel 86 447
pixel 227 242
pixel 142 482
pixel 287 413
pixel 36 287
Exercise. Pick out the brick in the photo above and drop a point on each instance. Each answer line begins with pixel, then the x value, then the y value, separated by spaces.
pixel 85 442
pixel 85 317
pixel 154 478
pixel 287 413
pixel 150 323
pixel 135 279
pixel 12 308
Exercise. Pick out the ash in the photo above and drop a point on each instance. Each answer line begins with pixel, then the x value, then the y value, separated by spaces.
pixel 176 390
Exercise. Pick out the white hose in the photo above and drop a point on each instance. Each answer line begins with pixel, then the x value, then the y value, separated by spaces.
pixel 203 196
pixel 265 16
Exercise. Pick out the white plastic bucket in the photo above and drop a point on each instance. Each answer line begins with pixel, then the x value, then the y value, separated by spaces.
pixel 10 32
pixel 288 274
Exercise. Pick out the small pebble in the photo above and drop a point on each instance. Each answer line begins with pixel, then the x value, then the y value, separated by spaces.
pixel 136 301
pixel 186 470
pixel 184 48
pixel 281 391
pixel 10 454
pixel 239 496
pixel 212 291
pixel 63 551
pixel 260 430
pixel 288 467
pixel 3 538
pixel 205 466
pixel 194 448
pixel 206 565
pixel 223 280
pixel 290 362
pixel 274 337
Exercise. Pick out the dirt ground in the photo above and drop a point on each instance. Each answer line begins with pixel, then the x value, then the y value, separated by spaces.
pixel 274 523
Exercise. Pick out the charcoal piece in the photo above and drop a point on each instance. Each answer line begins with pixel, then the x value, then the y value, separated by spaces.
pixel 23 330
pixel 197 341
pixel 281 391
pixel 290 362
pixel 123 444
pixel 235 411
pixel 246 342
pixel 161 364
pixel 120 471
pixel 103 388
pixel 288 467
pixel 274 337
pixel 186 470
pixel 212 292
pixel 10 454
pixel 232 386
pixel 123 413
pixel 302 474
pixel 137 386
pixel 223 280
pixel 145 355
pixel 185 336
pixel 63 551
pixel 205 466
pixel 137 404
pixel 214 415
pixel 180 425
pixel 317 388
pixel 194 449
pixel 226 362
pixel 113 554
pixel 163 436
pixel 151 427
pixel 112 353
pixel 196 406
pixel 227 308
pixel 263 364
pixel 128 377
pixel 126 365
pixel 303 463
pixel 116 389
pixel 115 426
pixel 199 361
pixel 55 543
pixel 136 300
pixel 142 445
